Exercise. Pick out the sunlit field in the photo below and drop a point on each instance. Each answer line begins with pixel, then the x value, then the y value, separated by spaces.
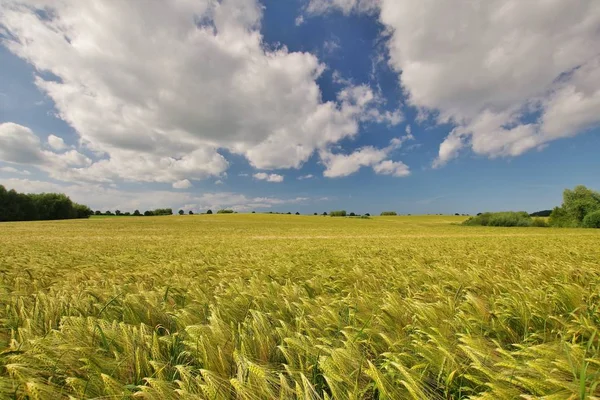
pixel 297 307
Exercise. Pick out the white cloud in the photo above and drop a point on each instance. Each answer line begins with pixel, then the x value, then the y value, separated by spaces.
pixel 12 170
pixel 345 6
pixel 219 182
pixel 394 168
pixel 491 68
pixel 309 176
pixel 56 142
pixel 19 145
pixel 340 165
pixel 299 20
pixel 182 184
pixel 154 110
pixel 262 176
pixel 331 46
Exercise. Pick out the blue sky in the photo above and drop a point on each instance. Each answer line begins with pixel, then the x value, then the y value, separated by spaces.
pixel 445 115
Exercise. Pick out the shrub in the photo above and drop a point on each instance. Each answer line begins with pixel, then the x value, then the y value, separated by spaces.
pixel 224 212
pixel 98 212
pixel 389 213
pixel 539 223
pixel 325 214
pixel 507 218
pixel 592 220
pixel 352 214
pixel 181 212
pixel 339 213
pixel 209 212
pixel 367 215
pixel 191 212
pixel 297 213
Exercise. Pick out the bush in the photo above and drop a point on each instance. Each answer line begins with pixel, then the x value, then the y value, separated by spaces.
pixel 367 215
pixel 209 212
pixel 389 213
pixel 508 218
pixel 539 223
pixel 137 213
pixel 543 213
pixel 592 220
pixel 352 214
pixel 339 213
pixel 181 212
pixel 224 212
pixel 148 213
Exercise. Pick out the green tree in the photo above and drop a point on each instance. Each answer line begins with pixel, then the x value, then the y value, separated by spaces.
pixel 577 203
pixel 209 212
pixel 137 213
pixel 181 212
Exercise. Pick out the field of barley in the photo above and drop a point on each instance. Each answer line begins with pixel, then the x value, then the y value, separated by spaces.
pixel 297 307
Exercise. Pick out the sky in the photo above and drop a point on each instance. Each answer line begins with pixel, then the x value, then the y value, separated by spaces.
pixel 301 105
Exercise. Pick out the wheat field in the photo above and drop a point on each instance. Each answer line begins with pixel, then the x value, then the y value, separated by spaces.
pixel 297 307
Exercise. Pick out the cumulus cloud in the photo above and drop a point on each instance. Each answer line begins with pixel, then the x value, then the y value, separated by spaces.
pixel 182 184
pixel 340 165
pixel 303 177
pixel 510 75
pixel 56 142
pixel 19 145
pixel 154 110
pixel 262 176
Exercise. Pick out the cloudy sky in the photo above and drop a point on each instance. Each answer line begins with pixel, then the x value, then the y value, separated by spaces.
pixel 301 105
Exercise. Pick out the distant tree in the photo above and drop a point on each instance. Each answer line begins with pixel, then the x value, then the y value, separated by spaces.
pixel 577 204
pixel 352 214
pixel 118 212
pixel 108 213
pixel 209 212
pixel 137 213
pixel 253 212
pixel 592 220
pixel 297 213
pixel 325 214
pixel 543 213
pixel 148 213
pixel 478 214
pixel 224 211
pixel 389 213
pixel 127 214
pixel 191 212
pixel 338 213
pixel 181 212
pixel 98 212
pixel 457 214
pixel 316 214
pixel 367 215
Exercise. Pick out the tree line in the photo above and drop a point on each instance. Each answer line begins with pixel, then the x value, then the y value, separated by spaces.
pixel 15 206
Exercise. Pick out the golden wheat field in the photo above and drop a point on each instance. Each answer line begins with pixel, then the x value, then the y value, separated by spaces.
pixel 297 307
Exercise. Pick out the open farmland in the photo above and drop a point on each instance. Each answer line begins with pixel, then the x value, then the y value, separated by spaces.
pixel 297 307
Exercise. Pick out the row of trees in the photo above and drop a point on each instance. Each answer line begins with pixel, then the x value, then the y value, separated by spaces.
pixel 16 206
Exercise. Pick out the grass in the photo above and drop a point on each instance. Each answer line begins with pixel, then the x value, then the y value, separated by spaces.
pixel 296 307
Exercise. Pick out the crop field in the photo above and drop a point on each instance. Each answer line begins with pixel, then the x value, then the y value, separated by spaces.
pixel 297 307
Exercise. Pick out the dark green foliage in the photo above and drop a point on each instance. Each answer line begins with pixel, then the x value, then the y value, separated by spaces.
pixel 592 220
pixel 136 213
pixel 367 215
pixel 316 214
pixel 127 214
pixel 577 203
pixel 352 214
pixel 108 213
pixel 148 213
pixel 297 213
pixel 191 212
pixel 325 214
pixel 98 212
pixel 339 213
pixel 224 212
pixel 209 212
pixel 118 212
pixel 389 213
pixel 543 213
pixel 16 206
pixel 507 218
pixel 181 212
pixel 163 211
